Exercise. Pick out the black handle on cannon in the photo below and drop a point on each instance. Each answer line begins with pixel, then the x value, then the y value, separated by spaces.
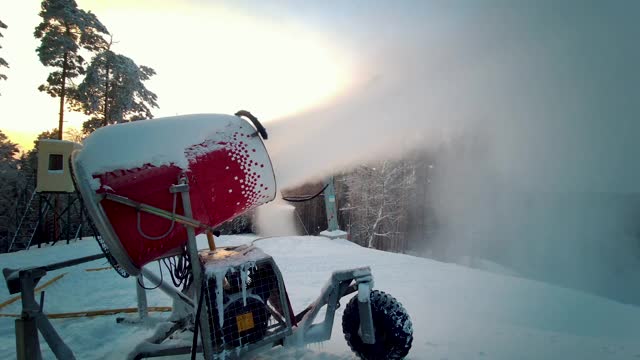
pixel 255 122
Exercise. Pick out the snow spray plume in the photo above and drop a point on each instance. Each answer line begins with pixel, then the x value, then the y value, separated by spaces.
pixel 550 187
pixel 532 112
pixel 276 219
pixel 396 103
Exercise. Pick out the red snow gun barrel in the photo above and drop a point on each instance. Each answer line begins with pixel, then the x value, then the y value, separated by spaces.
pixel 127 175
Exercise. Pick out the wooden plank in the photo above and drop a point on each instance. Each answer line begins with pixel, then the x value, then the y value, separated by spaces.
pixel 99 269
pixel 93 313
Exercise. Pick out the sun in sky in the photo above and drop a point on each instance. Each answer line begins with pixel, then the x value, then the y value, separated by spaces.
pixel 209 58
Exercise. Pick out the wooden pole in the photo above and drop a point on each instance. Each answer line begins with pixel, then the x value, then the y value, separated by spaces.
pixel 210 239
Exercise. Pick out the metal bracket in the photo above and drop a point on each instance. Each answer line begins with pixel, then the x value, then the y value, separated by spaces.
pixel 179 188
pixel 342 283
pixel 186 220
pixel 32 319
pixel 367 331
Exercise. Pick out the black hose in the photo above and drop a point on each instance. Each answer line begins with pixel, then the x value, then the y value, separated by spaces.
pixel 194 344
pixel 159 283
pixel 254 120
pixel 179 269
pixel 303 199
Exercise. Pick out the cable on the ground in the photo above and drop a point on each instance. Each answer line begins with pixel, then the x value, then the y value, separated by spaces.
pixel 264 238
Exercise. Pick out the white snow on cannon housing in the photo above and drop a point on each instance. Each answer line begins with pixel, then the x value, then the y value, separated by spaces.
pixel 156 142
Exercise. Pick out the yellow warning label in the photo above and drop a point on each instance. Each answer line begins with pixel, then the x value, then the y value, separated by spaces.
pixel 245 322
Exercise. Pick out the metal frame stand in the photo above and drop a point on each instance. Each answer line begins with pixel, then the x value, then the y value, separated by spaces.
pixel 192 248
pixel 62 228
pixel 143 311
pixel 342 283
pixel 333 229
pixel 144 350
pixel 32 320
pixel 32 226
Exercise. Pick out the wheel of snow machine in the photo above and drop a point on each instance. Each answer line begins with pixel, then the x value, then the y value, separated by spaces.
pixel 393 329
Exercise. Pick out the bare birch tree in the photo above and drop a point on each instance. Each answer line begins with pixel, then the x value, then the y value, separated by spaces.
pixel 377 203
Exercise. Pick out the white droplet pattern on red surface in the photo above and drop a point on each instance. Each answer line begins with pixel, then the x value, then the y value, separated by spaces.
pixel 242 148
pixel 247 179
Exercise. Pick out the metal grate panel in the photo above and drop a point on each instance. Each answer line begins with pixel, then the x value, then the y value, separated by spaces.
pixel 246 306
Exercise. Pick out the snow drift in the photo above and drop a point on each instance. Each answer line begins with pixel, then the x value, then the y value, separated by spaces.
pixel 457 312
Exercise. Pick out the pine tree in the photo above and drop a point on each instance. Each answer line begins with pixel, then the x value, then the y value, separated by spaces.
pixel 65 30
pixel 11 182
pixel 8 149
pixel 3 62
pixel 113 91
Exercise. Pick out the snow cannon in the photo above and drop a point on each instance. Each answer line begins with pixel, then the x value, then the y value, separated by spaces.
pixel 150 186
pixel 132 177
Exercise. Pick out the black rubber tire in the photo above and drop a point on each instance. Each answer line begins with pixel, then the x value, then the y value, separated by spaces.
pixel 394 331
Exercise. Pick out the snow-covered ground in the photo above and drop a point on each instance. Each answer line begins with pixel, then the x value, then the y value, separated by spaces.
pixel 457 312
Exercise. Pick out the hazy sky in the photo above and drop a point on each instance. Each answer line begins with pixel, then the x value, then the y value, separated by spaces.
pixel 552 85
pixel 209 56
pixel 555 82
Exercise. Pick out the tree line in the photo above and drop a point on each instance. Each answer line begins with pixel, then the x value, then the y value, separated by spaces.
pixel 383 204
pixel 87 76
pixel 111 89
pixel 3 62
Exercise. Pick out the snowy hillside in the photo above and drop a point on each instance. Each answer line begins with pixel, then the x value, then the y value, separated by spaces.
pixel 457 312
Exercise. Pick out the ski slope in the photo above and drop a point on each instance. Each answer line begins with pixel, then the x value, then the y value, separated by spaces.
pixel 457 312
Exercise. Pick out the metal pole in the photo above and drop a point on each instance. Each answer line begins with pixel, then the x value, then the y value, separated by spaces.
pixel 330 204
pixel 68 217
pixel 196 269
pixel 79 232
pixel 180 219
pixel 39 230
pixel 72 262
pixel 56 219
pixel 27 343
pixel 367 329
pixel 55 342
pixel 143 311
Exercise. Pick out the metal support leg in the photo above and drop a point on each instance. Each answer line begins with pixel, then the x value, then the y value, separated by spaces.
pixel 68 217
pixel 32 318
pixel 27 345
pixel 198 278
pixel 367 331
pixel 55 342
pixel 40 226
pixel 143 312
pixel 341 283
